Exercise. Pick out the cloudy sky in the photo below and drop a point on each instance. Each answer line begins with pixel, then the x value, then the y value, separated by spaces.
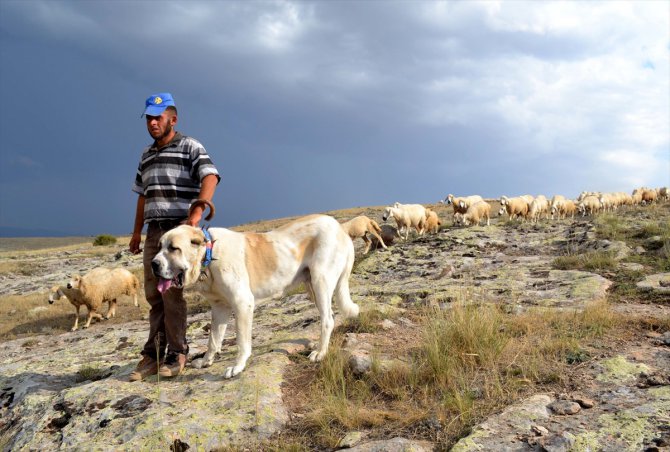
pixel 310 106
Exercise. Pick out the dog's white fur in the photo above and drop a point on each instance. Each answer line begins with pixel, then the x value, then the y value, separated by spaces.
pixel 249 267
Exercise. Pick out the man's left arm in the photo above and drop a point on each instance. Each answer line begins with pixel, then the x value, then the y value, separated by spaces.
pixel 207 187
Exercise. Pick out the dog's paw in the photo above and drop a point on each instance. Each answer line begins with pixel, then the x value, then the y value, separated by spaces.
pixel 316 356
pixel 73 329
pixel 232 371
pixel 200 363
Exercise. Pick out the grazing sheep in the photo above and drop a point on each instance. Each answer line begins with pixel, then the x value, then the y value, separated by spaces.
pixel 537 207
pixel 76 298
pixel 590 204
pixel 433 222
pixel 515 207
pixel 103 284
pixel 663 193
pixel 649 196
pixel 476 213
pixel 555 205
pixel 406 216
pixel 359 227
pixel 568 208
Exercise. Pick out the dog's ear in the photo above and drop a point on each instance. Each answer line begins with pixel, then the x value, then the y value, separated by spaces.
pixel 198 238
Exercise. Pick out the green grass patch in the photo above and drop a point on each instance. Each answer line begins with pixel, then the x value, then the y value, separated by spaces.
pixel 104 240
pixel 589 261
pixel 90 373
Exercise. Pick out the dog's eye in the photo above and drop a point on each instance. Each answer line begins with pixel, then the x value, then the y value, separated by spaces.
pixel 172 248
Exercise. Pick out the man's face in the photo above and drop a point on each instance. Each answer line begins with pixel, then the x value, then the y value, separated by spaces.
pixel 161 126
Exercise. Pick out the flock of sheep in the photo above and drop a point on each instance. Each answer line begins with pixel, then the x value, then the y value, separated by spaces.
pixel 473 210
pixel 103 285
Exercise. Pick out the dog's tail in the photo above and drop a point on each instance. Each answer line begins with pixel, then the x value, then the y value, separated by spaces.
pixel 375 226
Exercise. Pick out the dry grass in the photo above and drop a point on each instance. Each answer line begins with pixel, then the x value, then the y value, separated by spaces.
pixel 462 365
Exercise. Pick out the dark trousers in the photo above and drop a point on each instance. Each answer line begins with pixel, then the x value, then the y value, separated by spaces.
pixel 167 318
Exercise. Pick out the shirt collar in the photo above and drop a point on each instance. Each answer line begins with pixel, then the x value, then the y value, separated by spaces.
pixel 177 137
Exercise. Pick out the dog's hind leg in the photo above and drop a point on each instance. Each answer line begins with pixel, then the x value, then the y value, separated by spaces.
pixel 323 294
pixel 342 294
pixel 244 315
pixel 220 315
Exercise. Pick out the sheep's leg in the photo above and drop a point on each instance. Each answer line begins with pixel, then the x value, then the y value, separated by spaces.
pixel 92 313
pixel 111 310
pixel 76 319
pixel 368 242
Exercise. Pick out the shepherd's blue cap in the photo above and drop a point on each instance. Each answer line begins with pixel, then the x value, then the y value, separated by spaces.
pixel 157 103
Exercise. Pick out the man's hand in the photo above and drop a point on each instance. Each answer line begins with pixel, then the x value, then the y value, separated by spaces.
pixel 195 217
pixel 135 242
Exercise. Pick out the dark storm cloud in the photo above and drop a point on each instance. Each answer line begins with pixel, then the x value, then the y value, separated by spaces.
pixel 312 106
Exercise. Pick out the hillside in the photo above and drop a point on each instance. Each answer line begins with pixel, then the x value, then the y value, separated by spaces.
pixel 518 336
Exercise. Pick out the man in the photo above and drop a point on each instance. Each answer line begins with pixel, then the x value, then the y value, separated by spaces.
pixel 173 171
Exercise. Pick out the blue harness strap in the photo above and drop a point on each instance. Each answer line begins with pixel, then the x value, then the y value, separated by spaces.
pixel 209 244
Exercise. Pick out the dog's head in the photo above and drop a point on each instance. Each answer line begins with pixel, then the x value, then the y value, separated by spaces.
pixel 178 262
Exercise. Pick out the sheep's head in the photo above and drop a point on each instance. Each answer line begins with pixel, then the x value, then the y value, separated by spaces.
pixel 75 282
pixel 504 200
pixel 458 218
pixel 501 212
pixel 449 199
pixel 388 213
pixel 54 294
pixel 178 263
pixel 462 204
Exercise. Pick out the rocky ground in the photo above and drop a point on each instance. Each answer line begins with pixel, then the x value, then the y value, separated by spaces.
pixel 69 391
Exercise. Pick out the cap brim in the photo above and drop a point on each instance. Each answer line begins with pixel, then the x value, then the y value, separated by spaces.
pixel 154 110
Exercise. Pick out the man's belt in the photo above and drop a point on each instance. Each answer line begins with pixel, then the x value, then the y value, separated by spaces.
pixel 167 224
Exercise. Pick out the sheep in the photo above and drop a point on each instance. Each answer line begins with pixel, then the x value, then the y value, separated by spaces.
pixel 649 196
pixel 476 213
pixel 76 298
pixel 359 227
pixel 433 222
pixel 663 193
pixel 406 216
pixel 556 204
pixel 460 205
pixel 537 207
pixel 568 208
pixel 515 207
pixel 103 284
pixel 590 204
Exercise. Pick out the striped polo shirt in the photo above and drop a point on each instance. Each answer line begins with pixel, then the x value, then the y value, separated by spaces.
pixel 169 177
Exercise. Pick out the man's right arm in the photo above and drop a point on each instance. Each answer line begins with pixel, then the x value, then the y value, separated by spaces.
pixel 136 239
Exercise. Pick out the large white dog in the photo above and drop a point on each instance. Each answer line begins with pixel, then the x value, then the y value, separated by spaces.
pixel 248 267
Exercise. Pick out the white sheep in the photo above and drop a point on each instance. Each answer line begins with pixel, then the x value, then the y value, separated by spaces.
pixel 105 285
pixel 476 213
pixel 515 207
pixel 359 227
pixel 663 193
pixel 537 207
pixel 75 297
pixel 555 205
pixel 590 204
pixel 407 216
pixel 461 204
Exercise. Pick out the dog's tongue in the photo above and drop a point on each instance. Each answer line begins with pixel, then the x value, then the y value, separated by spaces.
pixel 164 284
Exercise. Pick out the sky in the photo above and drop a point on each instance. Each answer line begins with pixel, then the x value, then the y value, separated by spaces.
pixel 311 106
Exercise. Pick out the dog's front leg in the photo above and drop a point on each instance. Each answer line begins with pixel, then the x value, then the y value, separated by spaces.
pixel 220 316
pixel 244 315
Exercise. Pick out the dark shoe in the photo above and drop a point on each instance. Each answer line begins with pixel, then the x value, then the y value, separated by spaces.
pixel 173 365
pixel 146 367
